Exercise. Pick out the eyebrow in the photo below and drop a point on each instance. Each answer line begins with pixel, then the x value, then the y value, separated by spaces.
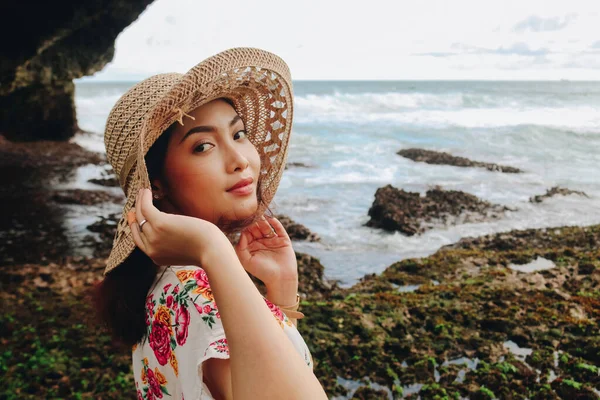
pixel 207 128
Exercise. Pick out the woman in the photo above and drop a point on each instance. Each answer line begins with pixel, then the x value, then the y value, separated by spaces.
pixel 199 157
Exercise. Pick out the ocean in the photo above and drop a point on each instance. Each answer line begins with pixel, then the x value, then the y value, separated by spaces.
pixel 348 133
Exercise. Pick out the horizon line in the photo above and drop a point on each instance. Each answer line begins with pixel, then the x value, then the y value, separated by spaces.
pixel 88 79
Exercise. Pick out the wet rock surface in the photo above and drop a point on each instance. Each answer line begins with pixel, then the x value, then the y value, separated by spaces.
pixel 297 231
pixel 108 181
pixel 297 165
pixel 105 229
pixel 408 212
pixel 441 158
pixel 85 197
pixel 46 157
pixel 554 191
pixel 367 393
pixel 31 221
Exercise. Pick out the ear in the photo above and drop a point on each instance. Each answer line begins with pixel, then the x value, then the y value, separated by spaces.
pixel 158 189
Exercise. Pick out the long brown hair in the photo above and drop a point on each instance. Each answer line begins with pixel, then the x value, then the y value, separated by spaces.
pixel 120 298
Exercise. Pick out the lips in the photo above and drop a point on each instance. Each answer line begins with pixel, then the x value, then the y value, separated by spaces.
pixel 242 183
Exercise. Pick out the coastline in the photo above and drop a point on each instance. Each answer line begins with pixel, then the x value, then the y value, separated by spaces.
pixel 458 323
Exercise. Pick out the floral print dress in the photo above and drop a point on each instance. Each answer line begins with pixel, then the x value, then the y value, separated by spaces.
pixel 183 330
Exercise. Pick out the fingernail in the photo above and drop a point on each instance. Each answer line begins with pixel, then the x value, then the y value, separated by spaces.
pixel 130 217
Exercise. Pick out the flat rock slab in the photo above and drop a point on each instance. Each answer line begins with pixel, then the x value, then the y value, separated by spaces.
pixel 555 191
pixel 441 158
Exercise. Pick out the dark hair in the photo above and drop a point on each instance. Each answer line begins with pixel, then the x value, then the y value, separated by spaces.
pixel 120 299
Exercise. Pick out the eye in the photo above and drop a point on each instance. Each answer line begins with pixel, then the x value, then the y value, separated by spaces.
pixel 242 132
pixel 201 148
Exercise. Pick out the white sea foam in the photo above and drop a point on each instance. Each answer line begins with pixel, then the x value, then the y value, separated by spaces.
pixel 440 111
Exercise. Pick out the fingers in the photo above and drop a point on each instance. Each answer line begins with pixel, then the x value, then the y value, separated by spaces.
pixel 138 238
pixel 145 210
pixel 254 231
pixel 278 227
pixel 148 207
pixel 244 240
pixel 265 228
pixel 138 208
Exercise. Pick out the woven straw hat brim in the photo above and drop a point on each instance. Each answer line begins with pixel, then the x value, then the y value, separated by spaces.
pixel 256 81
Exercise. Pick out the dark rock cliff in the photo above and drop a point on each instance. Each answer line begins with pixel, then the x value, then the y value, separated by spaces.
pixel 46 46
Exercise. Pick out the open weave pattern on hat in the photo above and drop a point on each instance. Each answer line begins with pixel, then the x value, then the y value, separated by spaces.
pixel 259 85
pixel 125 120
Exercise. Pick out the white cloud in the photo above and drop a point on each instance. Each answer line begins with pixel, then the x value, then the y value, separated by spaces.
pixel 535 23
pixel 319 39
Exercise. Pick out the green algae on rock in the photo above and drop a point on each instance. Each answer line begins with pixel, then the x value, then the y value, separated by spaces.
pixel 507 327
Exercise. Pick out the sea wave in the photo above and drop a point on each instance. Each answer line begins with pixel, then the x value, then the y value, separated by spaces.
pixel 440 111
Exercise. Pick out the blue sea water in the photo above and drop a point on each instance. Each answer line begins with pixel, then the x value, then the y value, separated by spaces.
pixel 348 133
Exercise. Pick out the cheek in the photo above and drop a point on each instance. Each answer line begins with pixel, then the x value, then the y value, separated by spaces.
pixel 254 159
pixel 188 179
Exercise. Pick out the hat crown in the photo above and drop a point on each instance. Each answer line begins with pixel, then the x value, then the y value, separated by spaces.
pixel 125 120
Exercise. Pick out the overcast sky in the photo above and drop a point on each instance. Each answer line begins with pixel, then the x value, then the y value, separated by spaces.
pixel 373 39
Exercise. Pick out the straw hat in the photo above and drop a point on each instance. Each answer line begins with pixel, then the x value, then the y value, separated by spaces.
pixel 256 81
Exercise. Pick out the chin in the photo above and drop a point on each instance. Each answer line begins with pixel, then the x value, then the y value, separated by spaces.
pixel 243 210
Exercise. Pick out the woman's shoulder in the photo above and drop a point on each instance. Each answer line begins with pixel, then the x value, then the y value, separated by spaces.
pixel 188 279
pixel 184 282
pixel 175 274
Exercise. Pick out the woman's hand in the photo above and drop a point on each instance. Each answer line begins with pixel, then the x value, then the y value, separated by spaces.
pixel 265 251
pixel 170 239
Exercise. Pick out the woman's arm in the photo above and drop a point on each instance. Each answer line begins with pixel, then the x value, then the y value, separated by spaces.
pixel 263 362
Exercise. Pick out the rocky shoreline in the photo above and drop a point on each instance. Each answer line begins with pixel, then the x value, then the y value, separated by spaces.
pixel 465 322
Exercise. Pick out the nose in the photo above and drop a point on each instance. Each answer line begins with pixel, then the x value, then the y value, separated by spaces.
pixel 236 160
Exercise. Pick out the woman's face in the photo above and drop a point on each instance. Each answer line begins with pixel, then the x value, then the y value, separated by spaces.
pixel 206 157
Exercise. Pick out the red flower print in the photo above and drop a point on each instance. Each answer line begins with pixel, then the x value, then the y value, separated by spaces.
pixel 176 290
pixel 218 315
pixel 170 301
pixel 150 303
pixel 275 310
pixel 160 342
pixel 154 385
pixel 182 320
pixel 207 309
pixel 201 279
pixel 166 288
pixel 220 346
pixel 198 307
pixel 140 397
